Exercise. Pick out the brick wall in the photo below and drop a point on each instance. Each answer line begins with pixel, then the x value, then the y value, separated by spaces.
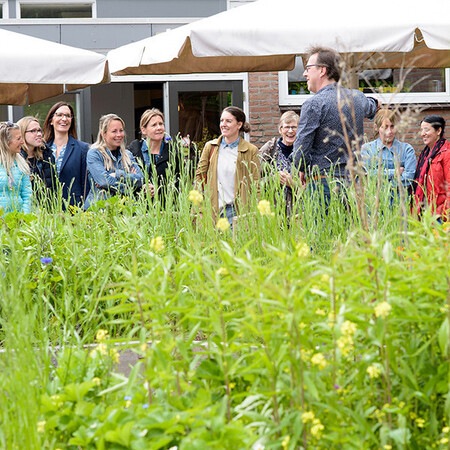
pixel 265 112
pixel 263 106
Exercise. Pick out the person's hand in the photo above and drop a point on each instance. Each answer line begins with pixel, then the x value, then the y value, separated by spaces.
pixel 133 170
pixel 400 170
pixel 149 188
pixel 302 178
pixel 286 179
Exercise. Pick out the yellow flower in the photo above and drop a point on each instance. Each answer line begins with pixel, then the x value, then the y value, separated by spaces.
pixel 232 385
pixel 446 429
pixel 41 426
pixel 420 422
pixel 348 328
pixel 320 312
pixel 264 208
pixel 317 429
pixel 157 244
pixel 319 360
pixel 382 309
pixel 127 404
pixel 387 447
pixel 302 325
pixel 325 278
pixel 302 249
pixel 101 335
pixel 285 441
pixel 114 354
pixel 195 197
pixel 444 441
pixel 307 416
pixel 345 344
pixel 102 349
pixel 222 271
pixel 143 347
pixel 223 224
pixel 97 381
pixel 373 371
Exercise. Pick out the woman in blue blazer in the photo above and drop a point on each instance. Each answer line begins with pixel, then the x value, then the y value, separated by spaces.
pixel 70 153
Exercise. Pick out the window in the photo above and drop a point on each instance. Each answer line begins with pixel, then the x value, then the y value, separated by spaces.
pixel 391 85
pixel 53 10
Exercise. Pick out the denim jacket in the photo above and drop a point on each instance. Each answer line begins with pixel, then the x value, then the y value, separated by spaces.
pixel 400 153
pixel 103 184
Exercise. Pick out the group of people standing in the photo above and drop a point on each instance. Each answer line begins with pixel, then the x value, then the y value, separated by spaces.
pixel 318 146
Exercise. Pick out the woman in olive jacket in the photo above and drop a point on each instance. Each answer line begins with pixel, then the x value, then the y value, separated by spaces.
pixel 229 167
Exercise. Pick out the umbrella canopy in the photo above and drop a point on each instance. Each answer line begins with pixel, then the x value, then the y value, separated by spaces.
pixel 267 34
pixel 34 69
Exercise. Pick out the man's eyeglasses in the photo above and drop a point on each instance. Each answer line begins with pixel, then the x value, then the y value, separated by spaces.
pixel 307 67
pixel 61 115
pixel 290 127
pixel 34 131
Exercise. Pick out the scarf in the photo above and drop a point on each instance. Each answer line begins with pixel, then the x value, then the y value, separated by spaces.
pixel 423 166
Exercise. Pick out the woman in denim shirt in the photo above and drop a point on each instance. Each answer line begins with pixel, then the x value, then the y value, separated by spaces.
pixel 112 170
pixel 398 159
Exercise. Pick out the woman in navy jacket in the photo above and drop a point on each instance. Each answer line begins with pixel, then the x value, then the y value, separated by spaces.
pixel 70 153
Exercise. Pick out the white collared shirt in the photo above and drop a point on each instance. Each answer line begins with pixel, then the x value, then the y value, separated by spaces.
pixel 226 171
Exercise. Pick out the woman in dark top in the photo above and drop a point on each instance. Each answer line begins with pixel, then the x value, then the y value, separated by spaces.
pixel 155 153
pixel 40 158
pixel 277 155
pixel 70 153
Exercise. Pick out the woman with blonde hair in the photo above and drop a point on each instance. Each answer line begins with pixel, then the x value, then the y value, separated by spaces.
pixel 277 155
pixel 155 152
pixel 112 170
pixel 40 158
pixel 15 185
pixel 398 159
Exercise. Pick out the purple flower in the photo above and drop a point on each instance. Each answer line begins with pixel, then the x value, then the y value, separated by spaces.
pixel 336 386
pixel 145 405
pixel 168 138
pixel 46 260
pixel 127 397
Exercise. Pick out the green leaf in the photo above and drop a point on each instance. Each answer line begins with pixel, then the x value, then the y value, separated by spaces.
pixel 443 336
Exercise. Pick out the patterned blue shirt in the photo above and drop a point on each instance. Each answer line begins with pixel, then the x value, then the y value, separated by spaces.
pixel 58 159
pixel 320 142
pixel 400 154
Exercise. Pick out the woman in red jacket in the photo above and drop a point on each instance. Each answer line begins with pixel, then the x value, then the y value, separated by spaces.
pixel 432 175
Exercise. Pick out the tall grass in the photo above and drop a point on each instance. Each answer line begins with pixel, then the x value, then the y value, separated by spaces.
pixel 272 335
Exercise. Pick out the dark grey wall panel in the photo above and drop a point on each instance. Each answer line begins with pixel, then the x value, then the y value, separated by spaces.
pixel 159 8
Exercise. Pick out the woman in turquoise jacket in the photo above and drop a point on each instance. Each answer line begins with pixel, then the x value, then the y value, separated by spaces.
pixel 15 185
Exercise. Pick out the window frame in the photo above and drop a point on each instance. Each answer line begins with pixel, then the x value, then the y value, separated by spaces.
pixel 5 9
pixel 286 99
pixel 93 4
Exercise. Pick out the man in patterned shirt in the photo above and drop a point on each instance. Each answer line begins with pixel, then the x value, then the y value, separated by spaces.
pixel 320 148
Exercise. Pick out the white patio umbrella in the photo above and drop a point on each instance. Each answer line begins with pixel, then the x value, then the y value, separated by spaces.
pixel 267 34
pixel 33 69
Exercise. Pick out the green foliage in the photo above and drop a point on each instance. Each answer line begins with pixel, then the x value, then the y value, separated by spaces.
pixel 305 331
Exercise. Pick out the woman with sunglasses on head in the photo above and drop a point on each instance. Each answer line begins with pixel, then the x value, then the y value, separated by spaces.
pixel 157 155
pixel 112 169
pixel 70 153
pixel 277 155
pixel 39 157
pixel 15 185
